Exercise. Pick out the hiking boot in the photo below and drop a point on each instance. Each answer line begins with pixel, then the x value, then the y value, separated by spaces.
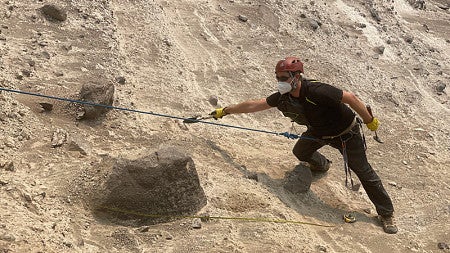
pixel 320 169
pixel 388 224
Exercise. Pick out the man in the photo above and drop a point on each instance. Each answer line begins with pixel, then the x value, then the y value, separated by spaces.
pixel 323 109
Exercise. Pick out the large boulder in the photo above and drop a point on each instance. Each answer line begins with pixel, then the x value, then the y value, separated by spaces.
pixel 157 188
pixel 97 93
pixel 299 180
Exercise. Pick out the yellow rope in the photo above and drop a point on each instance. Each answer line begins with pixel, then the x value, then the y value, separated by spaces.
pixel 215 217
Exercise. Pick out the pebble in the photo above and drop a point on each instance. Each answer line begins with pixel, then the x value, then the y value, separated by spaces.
pixel 243 18
pixel 168 236
pixel 314 24
pixel 213 100
pixel 46 106
pixel 322 248
pixel 53 13
pixel 8 166
pixel 7 237
pixel 361 25
pixel 59 138
pixel 443 245
pixel 197 223
pixel 392 183
pixel 440 87
pixel 379 50
pixel 120 80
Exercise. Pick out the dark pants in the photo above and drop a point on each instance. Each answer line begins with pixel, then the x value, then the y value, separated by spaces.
pixel 306 150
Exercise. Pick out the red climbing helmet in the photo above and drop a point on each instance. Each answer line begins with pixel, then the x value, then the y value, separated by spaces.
pixel 291 64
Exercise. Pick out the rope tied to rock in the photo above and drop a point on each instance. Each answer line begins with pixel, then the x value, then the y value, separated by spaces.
pixel 285 134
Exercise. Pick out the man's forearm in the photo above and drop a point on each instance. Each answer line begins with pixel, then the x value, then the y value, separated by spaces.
pixel 248 106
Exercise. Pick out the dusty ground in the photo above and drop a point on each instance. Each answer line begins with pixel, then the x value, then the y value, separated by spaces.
pixel 175 55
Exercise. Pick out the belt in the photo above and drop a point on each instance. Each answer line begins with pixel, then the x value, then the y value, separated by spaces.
pixel 348 129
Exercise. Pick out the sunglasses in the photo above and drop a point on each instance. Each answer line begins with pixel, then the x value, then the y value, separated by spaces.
pixel 282 78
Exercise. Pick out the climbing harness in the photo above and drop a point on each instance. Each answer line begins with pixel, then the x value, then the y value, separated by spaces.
pixel 347 130
pixel 348 173
pixel 186 120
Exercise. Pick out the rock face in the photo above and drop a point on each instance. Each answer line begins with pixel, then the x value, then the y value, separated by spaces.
pixel 98 93
pixel 150 190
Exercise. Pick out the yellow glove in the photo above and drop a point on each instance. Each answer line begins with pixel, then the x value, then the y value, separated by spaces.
pixel 218 113
pixel 373 126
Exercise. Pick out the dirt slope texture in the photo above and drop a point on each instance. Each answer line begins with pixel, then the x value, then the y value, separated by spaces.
pixel 186 57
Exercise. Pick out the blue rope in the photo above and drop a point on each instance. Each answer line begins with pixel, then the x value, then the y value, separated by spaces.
pixel 285 134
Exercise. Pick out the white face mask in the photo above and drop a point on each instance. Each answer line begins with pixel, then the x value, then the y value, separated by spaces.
pixel 284 87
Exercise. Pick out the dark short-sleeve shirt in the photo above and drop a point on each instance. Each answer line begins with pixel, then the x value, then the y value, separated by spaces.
pixel 319 107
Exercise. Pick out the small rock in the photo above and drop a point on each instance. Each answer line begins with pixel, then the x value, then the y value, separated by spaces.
pixel 322 248
pixel 314 24
pixel 8 166
pixel 253 176
pixel 53 13
pixel 59 138
pixel 67 47
pixel 243 18
pixel 205 217
pixel 46 55
pixel 405 162
pixel 120 80
pixel 418 4
pixel 27 197
pixel 440 87
pixel 197 223
pixel 68 244
pixel 213 100
pixel 392 183
pixel 409 39
pixel 144 229
pixel 361 25
pixel 80 147
pixel 168 236
pixel 46 106
pixel 375 14
pixel 443 245
pixel 43 43
pixel 168 42
pixel 7 237
pixel 19 76
pixel 379 50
